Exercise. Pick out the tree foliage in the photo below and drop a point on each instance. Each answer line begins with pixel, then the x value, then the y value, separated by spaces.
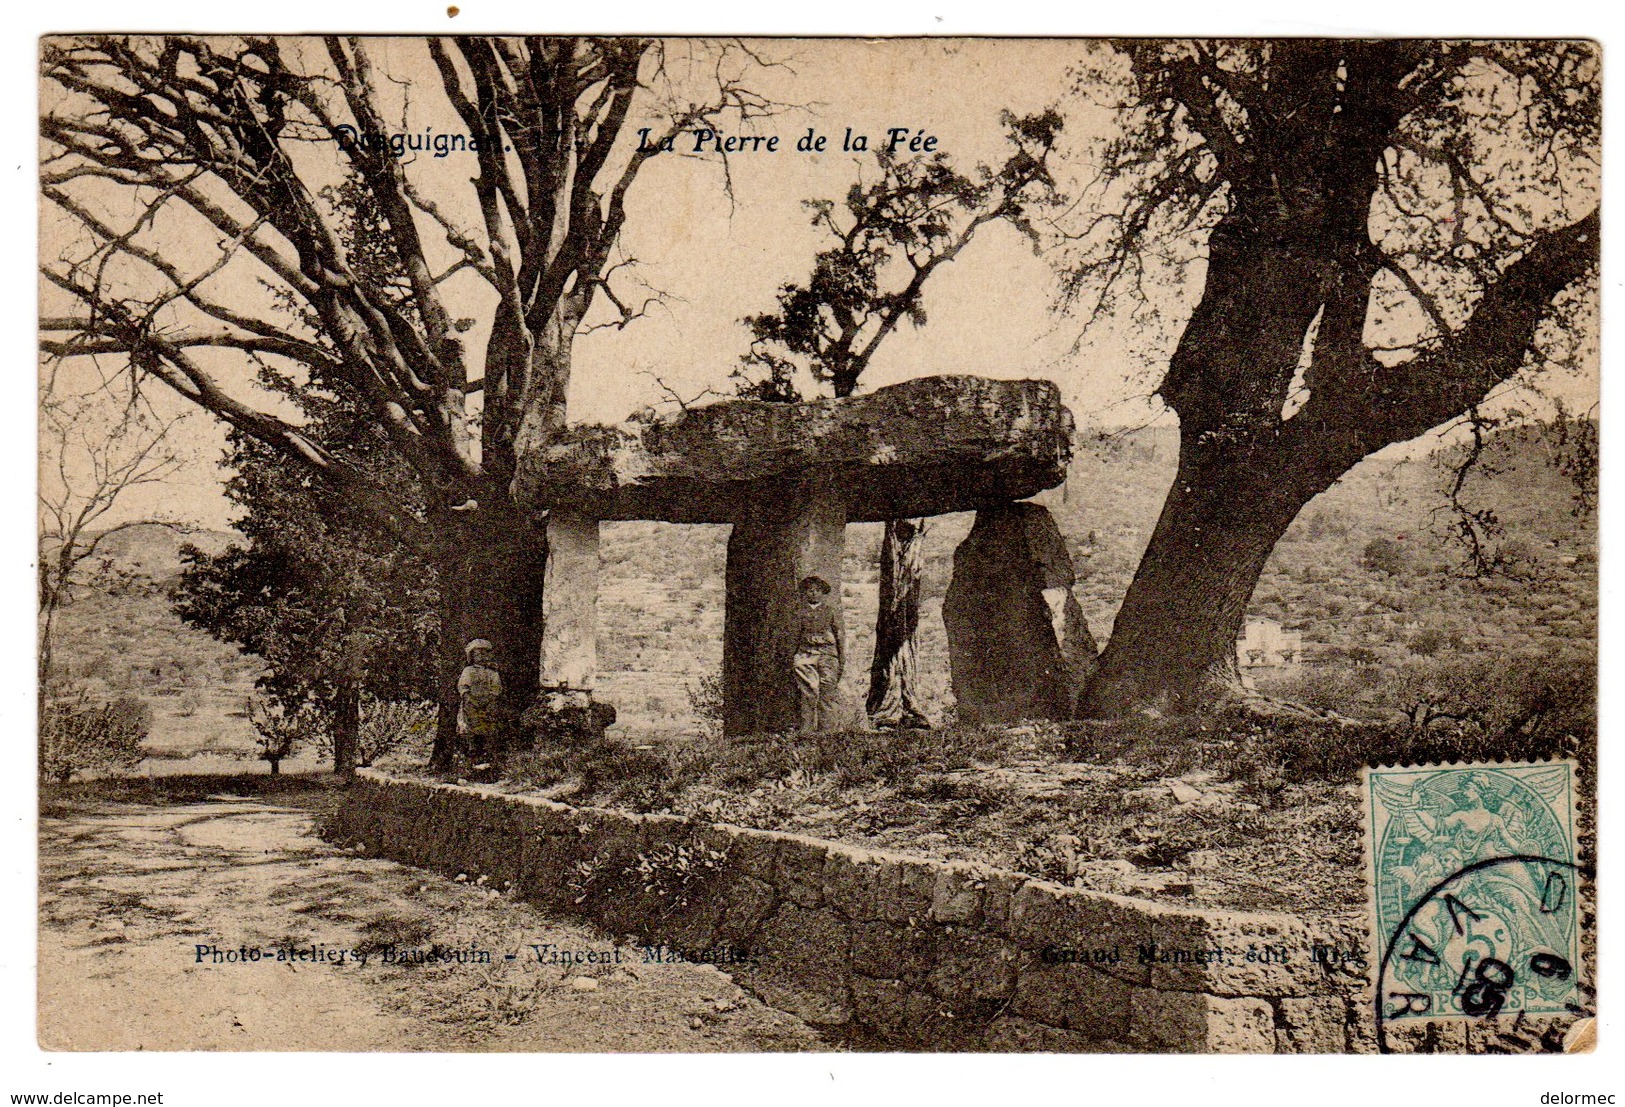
pixel 890 235
pixel 331 607
pixel 338 610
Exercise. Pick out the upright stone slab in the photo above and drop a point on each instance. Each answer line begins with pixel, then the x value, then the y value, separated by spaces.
pixel 1017 644
pixel 570 601
pixel 776 542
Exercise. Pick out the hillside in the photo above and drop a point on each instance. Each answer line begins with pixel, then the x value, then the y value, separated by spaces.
pixel 120 636
pixel 661 601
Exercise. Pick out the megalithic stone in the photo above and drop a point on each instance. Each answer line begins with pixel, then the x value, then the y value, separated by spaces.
pixel 922 447
pixel 1017 644
pixel 776 542
pixel 570 601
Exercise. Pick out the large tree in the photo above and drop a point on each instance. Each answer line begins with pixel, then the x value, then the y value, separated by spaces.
pixel 337 611
pixel 1375 235
pixel 890 234
pixel 186 179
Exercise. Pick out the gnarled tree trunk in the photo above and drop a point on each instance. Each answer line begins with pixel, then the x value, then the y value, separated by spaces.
pixel 1276 381
pixel 1174 642
pixel 892 700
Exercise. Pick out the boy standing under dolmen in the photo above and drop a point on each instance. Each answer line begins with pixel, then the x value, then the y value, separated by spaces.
pixel 820 656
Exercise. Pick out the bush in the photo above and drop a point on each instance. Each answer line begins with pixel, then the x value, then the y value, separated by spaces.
pixel 78 736
pixel 705 702
pixel 1428 642
pixel 1383 555
pixel 386 727
pixel 673 873
pixel 390 725
pixel 1433 710
pixel 1272 748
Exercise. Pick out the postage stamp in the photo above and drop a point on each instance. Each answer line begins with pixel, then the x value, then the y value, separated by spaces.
pixel 1474 879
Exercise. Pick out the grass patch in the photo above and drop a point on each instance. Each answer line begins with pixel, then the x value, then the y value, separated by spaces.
pixel 394 932
pixel 614 772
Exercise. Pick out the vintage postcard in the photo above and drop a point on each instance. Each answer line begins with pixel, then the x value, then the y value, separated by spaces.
pixel 637 545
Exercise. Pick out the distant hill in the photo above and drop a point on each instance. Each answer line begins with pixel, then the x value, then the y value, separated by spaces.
pixel 119 636
pixel 153 550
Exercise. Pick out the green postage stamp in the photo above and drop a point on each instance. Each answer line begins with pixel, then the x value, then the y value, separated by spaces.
pixel 1475 881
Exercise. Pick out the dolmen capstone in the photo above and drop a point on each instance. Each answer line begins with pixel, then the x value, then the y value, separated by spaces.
pixel 789 478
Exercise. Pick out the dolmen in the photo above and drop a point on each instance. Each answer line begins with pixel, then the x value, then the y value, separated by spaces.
pixel 789 478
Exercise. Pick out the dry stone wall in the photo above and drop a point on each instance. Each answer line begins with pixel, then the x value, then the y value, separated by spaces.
pixel 891 951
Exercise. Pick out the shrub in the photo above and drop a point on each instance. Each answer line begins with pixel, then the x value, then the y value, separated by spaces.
pixel 1427 711
pixel 1427 642
pixel 78 736
pixel 386 726
pixel 673 873
pixel 705 702
pixel 1383 555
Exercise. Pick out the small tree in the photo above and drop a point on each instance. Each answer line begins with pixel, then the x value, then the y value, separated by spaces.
pixel 92 453
pixel 282 730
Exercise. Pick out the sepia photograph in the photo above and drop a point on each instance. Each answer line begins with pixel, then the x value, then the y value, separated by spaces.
pixel 768 545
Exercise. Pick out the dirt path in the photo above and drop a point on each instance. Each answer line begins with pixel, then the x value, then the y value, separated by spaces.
pixel 135 899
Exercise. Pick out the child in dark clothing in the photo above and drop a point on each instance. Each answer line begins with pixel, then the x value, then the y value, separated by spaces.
pixel 820 655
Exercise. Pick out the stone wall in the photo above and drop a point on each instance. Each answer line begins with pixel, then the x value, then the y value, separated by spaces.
pixel 891 951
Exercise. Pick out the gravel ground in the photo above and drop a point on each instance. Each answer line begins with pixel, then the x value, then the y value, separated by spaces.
pixel 129 892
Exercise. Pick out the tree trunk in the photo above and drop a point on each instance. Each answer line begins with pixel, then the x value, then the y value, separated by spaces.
pixel 892 701
pixel 1174 642
pixel 346 726
pixel 47 640
pixel 489 561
